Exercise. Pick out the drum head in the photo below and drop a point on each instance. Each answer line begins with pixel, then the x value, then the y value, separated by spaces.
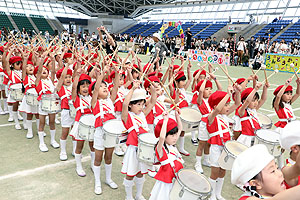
pixel 268 135
pixel 190 114
pixel 263 118
pixel 235 147
pixel 88 120
pixel 114 126
pixel 194 181
pixel 32 91
pixel 16 86
pixel 148 138
pixel 50 96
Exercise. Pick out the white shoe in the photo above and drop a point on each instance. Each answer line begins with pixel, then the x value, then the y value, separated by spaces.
pixel 10 119
pixel 152 174
pixel 112 184
pixel 98 189
pixel 63 156
pixel 2 112
pixel 140 198
pixel 80 172
pixel 43 148
pixel 220 198
pixel 6 111
pixel 198 167
pixel 184 152
pixel 119 151
pixel 54 144
pixel 206 163
pixel 57 121
pixel 29 135
pixel 18 126
pixel 44 134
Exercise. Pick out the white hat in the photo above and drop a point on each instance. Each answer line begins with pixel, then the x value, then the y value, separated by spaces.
pixel 249 163
pixel 290 135
pixel 157 35
pixel 127 61
pixel 138 94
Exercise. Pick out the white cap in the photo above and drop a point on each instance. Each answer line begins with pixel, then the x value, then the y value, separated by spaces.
pixel 157 35
pixel 290 135
pixel 127 61
pixel 249 163
pixel 138 94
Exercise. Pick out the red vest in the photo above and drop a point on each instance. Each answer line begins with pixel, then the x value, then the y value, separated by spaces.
pixel 284 114
pixel 15 77
pixel 249 123
pixel 45 86
pixel 204 108
pixel 156 111
pixel 83 106
pixel 103 111
pixel 29 82
pixel 65 94
pixel 218 131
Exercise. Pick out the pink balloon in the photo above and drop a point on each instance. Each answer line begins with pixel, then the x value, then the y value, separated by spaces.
pixel 182 35
pixel 176 24
pixel 180 22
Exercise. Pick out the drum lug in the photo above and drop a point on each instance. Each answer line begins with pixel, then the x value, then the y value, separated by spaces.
pixel 104 136
pixel 117 140
pixel 226 158
pixel 181 192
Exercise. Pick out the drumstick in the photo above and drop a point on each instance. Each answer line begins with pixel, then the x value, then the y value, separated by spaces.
pixel 266 76
pixel 227 74
pixel 170 109
pixel 251 67
pixel 293 66
pixel 275 72
pixel 295 73
pixel 262 67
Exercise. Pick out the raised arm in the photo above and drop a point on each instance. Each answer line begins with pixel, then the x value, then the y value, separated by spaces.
pixel 127 99
pixel 263 96
pixel 248 100
pixel 189 77
pixel 297 94
pixel 114 91
pixel 75 83
pixel 152 101
pixel 162 136
pixel 99 76
pixel 280 93
pixel 61 79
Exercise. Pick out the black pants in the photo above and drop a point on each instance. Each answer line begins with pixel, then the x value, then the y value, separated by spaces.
pixel 256 65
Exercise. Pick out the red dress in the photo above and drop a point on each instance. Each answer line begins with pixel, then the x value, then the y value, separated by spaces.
pixel 204 108
pixel 285 115
pixel 103 111
pixel 218 131
pixel 15 77
pixel 65 94
pixel 82 105
pixel 135 125
pixel 169 162
pixel 249 122
pixel 45 86
pixel 120 99
pixel 156 111
pixel 29 82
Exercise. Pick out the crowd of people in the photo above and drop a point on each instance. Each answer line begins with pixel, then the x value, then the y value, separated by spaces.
pixel 99 92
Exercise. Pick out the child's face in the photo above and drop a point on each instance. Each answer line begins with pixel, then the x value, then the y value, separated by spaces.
pixel 29 69
pixel 207 92
pixel 201 77
pixel 135 75
pixel 45 73
pixel 17 65
pixel 172 139
pixel 253 104
pixel 272 180
pixel 68 80
pixel 181 84
pixel 103 91
pixel 137 108
pixel 287 97
pixel 225 109
pixel 84 89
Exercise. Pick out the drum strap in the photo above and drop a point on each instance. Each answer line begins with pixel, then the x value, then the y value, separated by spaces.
pixel 135 125
pixel 120 97
pixel 5 75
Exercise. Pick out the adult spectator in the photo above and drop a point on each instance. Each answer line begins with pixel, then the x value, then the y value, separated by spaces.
pixel 251 46
pixel 207 43
pixel 160 47
pixel 188 38
pixel 258 60
pixel 241 48
pixel 214 43
pixel 108 43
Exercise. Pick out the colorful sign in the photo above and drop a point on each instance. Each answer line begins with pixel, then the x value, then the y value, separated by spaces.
pixel 223 58
pixel 282 62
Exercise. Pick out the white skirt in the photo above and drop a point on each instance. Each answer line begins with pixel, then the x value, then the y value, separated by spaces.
pixel 215 152
pixel 161 191
pixel 131 165
pixel 75 132
pixel 203 134
pixel 24 107
pixel 10 99
pixel 246 140
pixel 98 139
pixel 66 120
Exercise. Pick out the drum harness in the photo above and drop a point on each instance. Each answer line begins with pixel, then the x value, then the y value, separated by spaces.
pixel 221 131
pixel 288 111
pixel 251 116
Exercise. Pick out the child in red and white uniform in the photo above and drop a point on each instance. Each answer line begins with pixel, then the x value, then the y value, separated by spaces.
pixel 219 133
pixel 3 85
pixel 203 90
pixel 282 103
pixel 248 113
pixel 45 85
pixel 103 109
pixel 167 130
pixel 181 84
pixel 64 91
pixel 256 169
pixel 29 85
pixel 82 103
pixel 133 116
pixel 290 141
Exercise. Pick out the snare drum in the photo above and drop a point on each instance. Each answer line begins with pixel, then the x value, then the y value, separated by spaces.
pixel 72 109
pixel 265 121
pixel 31 97
pixel 190 119
pixel 86 127
pixel 1 78
pixel 50 103
pixel 146 151
pixel 270 139
pixel 190 185
pixel 231 150
pixel 16 92
pixel 113 133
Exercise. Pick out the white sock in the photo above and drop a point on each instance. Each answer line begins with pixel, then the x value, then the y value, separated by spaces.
pixel 206 157
pixel 15 116
pixel 41 137
pixel 78 161
pixel 74 146
pixel 10 112
pixel 128 188
pixel 29 125
pixel 5 106
pixel 181 143
pixel 193 135
pixel 63 144
pixel 97 170
pixel 108 172
pixel 219 186
pixel 139 182
pixel 24 118
pixel 92 159
pixel 37 124
pixel 198 159
pixel 1 110
pixel 213 184
pixel 52 133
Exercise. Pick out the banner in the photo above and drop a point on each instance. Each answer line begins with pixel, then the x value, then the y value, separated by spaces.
pixel 282 62
pixel 223 58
